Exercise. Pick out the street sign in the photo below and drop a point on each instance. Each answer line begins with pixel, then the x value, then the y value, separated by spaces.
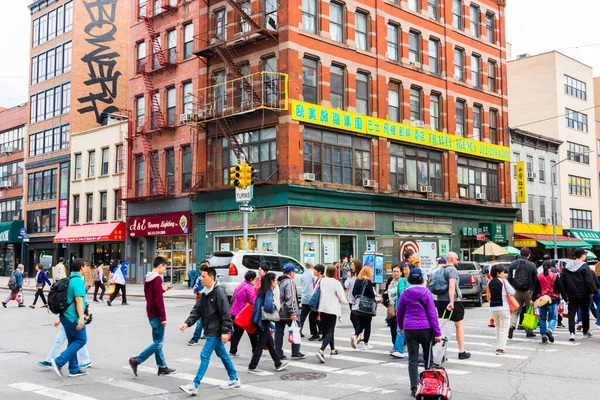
pixel 246 209
pixel 23 231
pixel 26 238
pixel 481 237
pixel 244 195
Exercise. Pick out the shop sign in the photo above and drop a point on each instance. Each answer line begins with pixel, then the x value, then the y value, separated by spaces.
pixel 63 212
pixel 331 219
pixel 401 226
pixel 525 243
pixel 444 247
pixel 521 188
pixel 494 232
pixel 259 218
pixel 471 231
pixel 333 118
pixel 160 225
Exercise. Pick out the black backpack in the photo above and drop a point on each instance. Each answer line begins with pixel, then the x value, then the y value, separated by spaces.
pixel 57 298
pixel 12 282
pixel 521 279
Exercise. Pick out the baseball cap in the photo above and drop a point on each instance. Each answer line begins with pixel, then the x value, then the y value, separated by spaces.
pixel 287 268
pixel 442 260
pixel 416 271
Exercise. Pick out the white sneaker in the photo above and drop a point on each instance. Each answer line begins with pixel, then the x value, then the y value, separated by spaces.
pixel 320 357
pixel 231 384
pixel 56 368
pixel 397 354
pixel 367 347
pixel 255 371
pixel 572 337
pixel 353 342
pixel 190 388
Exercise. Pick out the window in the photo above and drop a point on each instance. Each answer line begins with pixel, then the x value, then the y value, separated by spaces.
pixel 91 164
pixel 48 141
pixel 170 170
pixel 492 76
pixel 52 24
pixel 493 126
pixel 141 56
pixel 394 102
pixel 66 98
pixel 13 173
pixel 578 153
pixel 516 158
pixel 529 165
pixel 42 67
pixel 142 9
pixel 103 206
pixel 77 170
pixel 413 5
pixel 118 204
pixel 51 64
pixel 309 80
pixel 489 27
pixel 36 33
pixel 459 63
pixel 67 51
pixel 337 82
pixel 575 88
pixel 581 219
pixel 434 56
pixel 460 118
pixel 553 172
pixel 89 214
pixel 43 29
pixel 362 93
pixel 11 210
pixel 270 10
pixel 474 20
pixel 477 122
pixel 336 22
pixel 105 160
pixel 434 112
pixel 457 14
pixel 188 98
pixel 337 158
pixel 309 15
pixel 220 90
pixel 140 110
pixel 415 104
pixel 576 120
pixel 12 139
pixel 188 40
pixel 172 46
pixel 41 221
pixel 579 186
pixel 154 162
pixel 415 167
pixel 269 64
pixel 60 20
pixel 171 106
pixel 139 175
pixel 414 47
pixel 68 16
pixel 478 176
pixel 476 71
pixel 118 159
pixel 542 201
pixel 186 168
pixel 531 208
pixel 261 146
pixel 432 9
pixel 42 185
pixel 392 40
pixel 542 169
pixel 361 30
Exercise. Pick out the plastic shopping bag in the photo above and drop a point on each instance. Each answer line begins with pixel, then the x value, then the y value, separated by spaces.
pixel 447 328
pixel 530 320
pixel 110 290
pixel 19 297
pixel 294 336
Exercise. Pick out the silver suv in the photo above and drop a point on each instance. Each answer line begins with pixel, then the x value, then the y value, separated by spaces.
pixel 231 266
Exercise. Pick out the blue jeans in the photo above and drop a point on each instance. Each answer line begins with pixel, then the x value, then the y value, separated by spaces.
pixel 548 318
pixel 59 340
pixel 156 348
pixel 596 301
pixel 197 331
pixel 76 340
pixel 214 344
pixel 399 343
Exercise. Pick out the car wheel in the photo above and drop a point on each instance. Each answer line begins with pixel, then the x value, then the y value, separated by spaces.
pixel 478 300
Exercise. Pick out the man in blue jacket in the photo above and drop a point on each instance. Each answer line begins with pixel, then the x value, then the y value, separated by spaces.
pixel 15 285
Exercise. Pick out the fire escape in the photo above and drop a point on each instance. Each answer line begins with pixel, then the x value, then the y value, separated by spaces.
pixel 159 61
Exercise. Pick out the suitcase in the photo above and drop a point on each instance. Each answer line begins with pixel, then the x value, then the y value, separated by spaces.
pixel 434 383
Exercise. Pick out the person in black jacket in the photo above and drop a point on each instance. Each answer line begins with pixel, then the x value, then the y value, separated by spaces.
pixel 213 308
pixel 580 284
pixel 363 285
pixel 522 275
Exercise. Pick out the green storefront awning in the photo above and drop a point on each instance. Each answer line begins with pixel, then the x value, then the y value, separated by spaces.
pixel 565 244
pixel 591 237
pixel 9 231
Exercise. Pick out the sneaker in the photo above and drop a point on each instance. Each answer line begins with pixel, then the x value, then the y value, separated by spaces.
pixel 45 306
pixel 108 302
pixel 464 355
pixel 4 304
pixel 579 327
pixel 96 301
pixel 572 337
pixel 491 325
pixel 231 384
pixel 520 328
pixel 56 368
pixel 550 336
pixel 133 364
pixel 85 366
pixel 313 338
pixel 231 355
pixel 530 334
pixel 282 366
pixel 298 356
pixel 588 335
pixel 190 389
pixel 203 337
pixel 320 356
pixel 413 393
pixel 397 354
pixel 44 364
pixel 166 371
pixel 499 352
pixel 334 353
pixel 32 307
pixel 544 339
pixel 511 330
pixel 255 371
pixel 283 358
pixel 124 304
pixel 352 342
pixel 79 373
pixel 192 343
pixel 22 305
pixel 367 347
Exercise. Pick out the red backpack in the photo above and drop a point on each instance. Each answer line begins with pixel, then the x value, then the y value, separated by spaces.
pixel 434 384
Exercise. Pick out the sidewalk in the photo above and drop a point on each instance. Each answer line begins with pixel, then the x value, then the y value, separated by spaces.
pixel 133 289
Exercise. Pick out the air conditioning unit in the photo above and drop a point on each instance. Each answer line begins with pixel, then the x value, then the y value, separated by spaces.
pixel 5 184
pixel 423 188
pixel 185 117
pixel 309 177
pixel 7 149
pixel 369 183
pixel 546 221
pixel 530 176
pixel 213 40
pixel 418 123
pixel 403 188
pixel 480 196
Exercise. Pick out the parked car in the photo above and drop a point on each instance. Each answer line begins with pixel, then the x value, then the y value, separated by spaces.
pixel 472 282
pixel 231 266
pixel 487 267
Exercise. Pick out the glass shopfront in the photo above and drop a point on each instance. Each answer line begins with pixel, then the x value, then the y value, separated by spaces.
pixel 7 259
pixel 178 252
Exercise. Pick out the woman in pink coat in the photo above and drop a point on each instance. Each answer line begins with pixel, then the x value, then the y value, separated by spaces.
pixel 242 295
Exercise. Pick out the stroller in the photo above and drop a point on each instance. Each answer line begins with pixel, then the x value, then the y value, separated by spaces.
pixel 434 383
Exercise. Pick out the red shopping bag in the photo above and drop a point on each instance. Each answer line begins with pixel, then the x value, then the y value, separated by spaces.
pixel 244 319
pixel 19 297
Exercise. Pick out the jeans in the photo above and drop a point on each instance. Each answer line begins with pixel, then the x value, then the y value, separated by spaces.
pixel 99 285
pixel 118 288
pixel 197 331
pixel 363 323
pixel 574 303
pixel 502 323
pixel 76 340
pixel 305 312
pixel 524 299
pixel 328 322
pixel 156 348
pixel 39 293
pixel 214 344
pixel 59 340
pixel 280 331
pixel 548 318
pixel 414 339
pixel 264 340
pixel 236 336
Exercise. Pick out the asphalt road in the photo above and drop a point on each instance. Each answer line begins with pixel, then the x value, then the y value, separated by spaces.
pixel 528 370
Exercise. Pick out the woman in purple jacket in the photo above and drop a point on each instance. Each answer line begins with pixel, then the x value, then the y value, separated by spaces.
pixel 417 320
pixel 242 295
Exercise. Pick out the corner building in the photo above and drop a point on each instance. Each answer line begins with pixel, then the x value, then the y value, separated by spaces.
pixel 374 126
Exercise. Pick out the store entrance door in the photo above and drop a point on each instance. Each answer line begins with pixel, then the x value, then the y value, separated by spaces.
pixel 465 255
pixel 347 247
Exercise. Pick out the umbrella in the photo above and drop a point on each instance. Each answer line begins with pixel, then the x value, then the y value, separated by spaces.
pixel 491 249
pixel 590 255
pixel 512 251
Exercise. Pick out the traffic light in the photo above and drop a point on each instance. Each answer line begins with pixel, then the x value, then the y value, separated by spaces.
pixel 235 175
pixel 247 172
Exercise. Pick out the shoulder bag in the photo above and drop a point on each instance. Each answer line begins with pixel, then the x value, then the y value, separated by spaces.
pixel 364 305
pixel 315 298
pixel 391 310
pixel 269 316
pixel 513 304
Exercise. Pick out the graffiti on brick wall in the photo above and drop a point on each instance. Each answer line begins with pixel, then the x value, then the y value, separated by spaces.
pixel 101 60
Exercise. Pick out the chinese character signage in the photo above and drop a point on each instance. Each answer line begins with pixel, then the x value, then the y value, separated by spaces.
pixel 260 218
pixel 494 232
pixel 110 232
pixel 333 118
pixel 160 225
pixel 521 190
pixel 63 213
pixel 332 219
pixel 401 226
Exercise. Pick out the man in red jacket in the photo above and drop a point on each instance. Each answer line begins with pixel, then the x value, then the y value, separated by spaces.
pixel 155 309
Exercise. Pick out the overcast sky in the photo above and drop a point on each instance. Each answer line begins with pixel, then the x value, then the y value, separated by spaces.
pixel 533 26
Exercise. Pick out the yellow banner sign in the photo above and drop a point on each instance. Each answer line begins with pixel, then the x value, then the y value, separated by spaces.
pixel 521 188
pixel 339 119
pixel 525 243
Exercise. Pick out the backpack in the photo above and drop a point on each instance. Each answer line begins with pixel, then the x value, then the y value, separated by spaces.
pixel 12 282
pixel 438 283
pixel 521 279
pixel 57 298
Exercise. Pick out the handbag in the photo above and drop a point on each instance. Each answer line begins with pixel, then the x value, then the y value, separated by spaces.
pixel 315 298
pixel 244 319
pixel 391 309
pixel 364 305
pixel 269 316
pixel 38 286
pixel 513 304
pixel 530 320
pixel 543 300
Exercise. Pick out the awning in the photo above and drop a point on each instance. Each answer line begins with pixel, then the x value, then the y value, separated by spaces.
pixel 114 231
pixel 562 242
pixel 591 237
pixel 9 231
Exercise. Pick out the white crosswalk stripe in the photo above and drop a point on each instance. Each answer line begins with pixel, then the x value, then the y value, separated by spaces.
pixel 135 387
pixel 532 340
pixel 49 392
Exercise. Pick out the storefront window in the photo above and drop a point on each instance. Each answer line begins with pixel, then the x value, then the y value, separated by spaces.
pixel 476 177
pixel 178 252
pixel 6 260
pixel 415 167
pixel 261 148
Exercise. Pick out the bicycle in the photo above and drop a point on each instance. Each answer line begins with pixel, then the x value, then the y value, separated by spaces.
pixel 25 279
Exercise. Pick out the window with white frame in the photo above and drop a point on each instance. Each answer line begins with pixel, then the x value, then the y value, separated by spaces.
pixel 459 64
pixel 457 14
pixel 434 112
pixel 362 93
pixel 476 70
pixel 414 47
pixel 309 15
pixel 576 120
pixel 415 104
pixel 361 33
pixel 336 22
pixel 434 56
pixel 337 90
pixel 460 118
pixel 394 101
pixel 474 19
pixel 477 122
pixel 393 34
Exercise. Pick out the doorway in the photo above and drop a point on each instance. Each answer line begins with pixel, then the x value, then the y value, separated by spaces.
pixel 465 254
pixel 348 247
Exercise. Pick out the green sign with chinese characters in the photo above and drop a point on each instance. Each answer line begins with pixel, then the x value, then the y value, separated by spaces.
pixel 260 218
pixel 471 231
pixel 401 226
pixel 333 219
pixel 494 232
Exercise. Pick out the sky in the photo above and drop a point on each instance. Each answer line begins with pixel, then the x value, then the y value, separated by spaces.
pixel 532 26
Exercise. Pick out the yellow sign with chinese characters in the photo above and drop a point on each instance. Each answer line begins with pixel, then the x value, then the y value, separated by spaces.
pixel 521 188
pixel 339 119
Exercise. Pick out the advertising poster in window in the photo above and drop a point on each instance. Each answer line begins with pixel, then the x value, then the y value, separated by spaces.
pixel 328 252
pixel 375 262
pixel 309 252
pixel 63 208
pixel 427 253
